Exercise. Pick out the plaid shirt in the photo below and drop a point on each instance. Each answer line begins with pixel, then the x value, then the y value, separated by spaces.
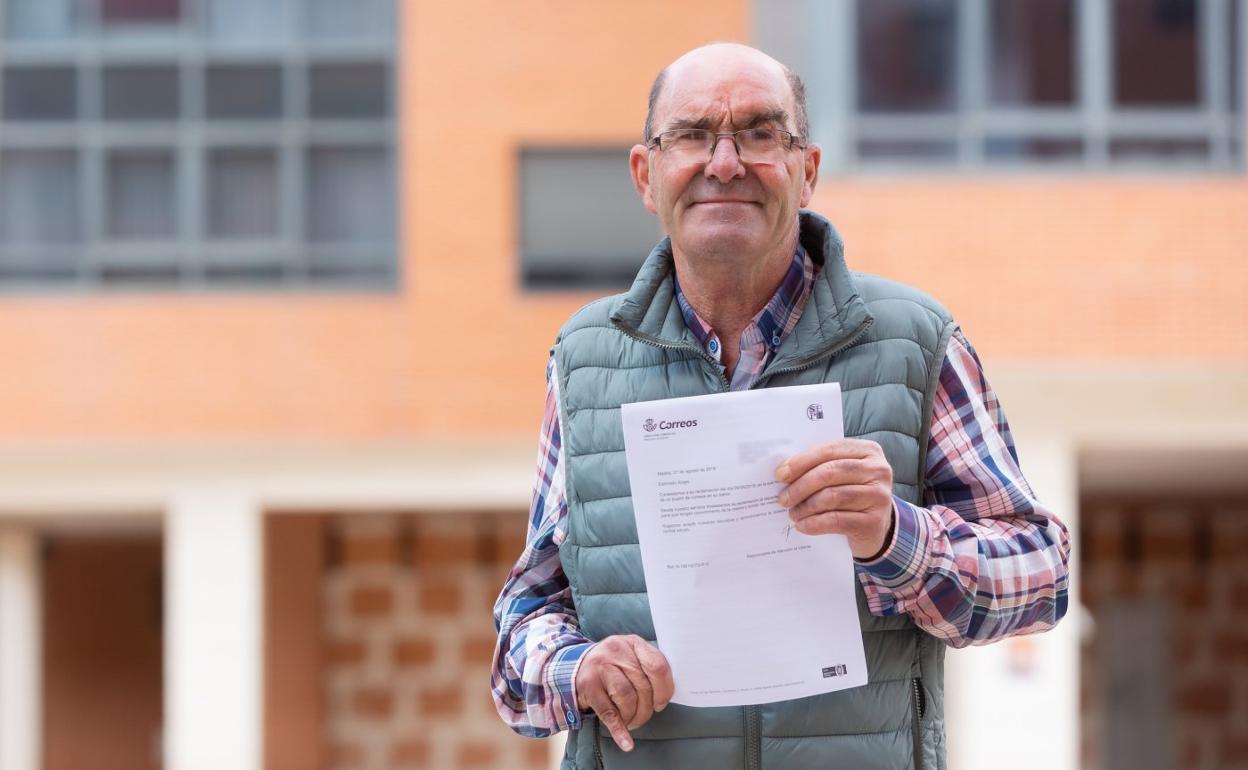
pixel 981 561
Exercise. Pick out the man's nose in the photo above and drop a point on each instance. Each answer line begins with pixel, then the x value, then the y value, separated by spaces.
pixel 725 163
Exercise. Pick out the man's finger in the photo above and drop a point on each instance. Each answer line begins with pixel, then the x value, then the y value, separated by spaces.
pixel 840 449
pixel 643 694
pixel 655 666
pixel 609 715
pixel 621 692
pixel 858 497
pixel 847 523
pixel 837 473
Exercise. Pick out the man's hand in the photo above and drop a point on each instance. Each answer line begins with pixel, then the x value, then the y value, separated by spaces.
pixel 624 679
pixel 844 487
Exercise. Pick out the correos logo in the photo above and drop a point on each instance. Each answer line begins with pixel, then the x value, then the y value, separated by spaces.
pixel 669 425
pixel 650 425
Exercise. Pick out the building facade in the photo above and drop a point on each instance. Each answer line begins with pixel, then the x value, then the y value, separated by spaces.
pixel 280 281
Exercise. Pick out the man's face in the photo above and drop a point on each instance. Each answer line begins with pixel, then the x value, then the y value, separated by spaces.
pixel 724 207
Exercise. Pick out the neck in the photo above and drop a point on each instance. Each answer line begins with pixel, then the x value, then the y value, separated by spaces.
pixel 728 293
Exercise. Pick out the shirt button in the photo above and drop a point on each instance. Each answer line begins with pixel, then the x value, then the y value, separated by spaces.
pixel 775 340
pixel 571 717
pixel 713 346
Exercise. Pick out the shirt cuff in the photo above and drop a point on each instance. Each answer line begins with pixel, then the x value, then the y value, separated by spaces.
pixel 906 557
pixel 561 681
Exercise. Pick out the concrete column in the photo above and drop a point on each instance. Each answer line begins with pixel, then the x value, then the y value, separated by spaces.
pixel 998 695
pixel 20 659
pixel 213 590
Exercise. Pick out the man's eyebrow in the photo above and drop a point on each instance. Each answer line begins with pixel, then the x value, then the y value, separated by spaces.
pixel 777 116
pixel 770 116
pixel 702 122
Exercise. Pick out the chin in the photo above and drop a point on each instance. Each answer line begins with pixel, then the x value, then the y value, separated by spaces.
pixel 724 240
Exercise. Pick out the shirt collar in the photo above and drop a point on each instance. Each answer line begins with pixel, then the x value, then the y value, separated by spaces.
pixel 778 316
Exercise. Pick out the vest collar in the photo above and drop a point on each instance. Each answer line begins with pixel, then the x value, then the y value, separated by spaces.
pixel 835 313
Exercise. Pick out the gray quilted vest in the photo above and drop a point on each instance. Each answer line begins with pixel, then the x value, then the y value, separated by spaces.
pixel 884 343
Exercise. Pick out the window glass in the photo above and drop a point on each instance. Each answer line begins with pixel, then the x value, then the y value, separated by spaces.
pixel 139 276
pixel 140 10
pixel 347 90
pixel 907 55
pixel 38 19
pixel 355 19
pixel 264 274
pixel 40 93
pixel 140 93
pixel 1171 150
pixel 242 193
pixel 1237 58
pixel 907 150
pixel 246 19
pixel 1034 150
pixel 582 223
pixel 37 272
pixel 1155 52
pixel 39 197
pixel 1032 52
pixel 243 91
pixel 347 199
pixel 141 194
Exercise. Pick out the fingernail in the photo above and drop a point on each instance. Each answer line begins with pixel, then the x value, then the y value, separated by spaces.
pixel 784 499
pixel 626 744
pixel 782 473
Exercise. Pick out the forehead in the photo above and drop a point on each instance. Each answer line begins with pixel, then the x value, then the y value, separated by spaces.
pixel 727 89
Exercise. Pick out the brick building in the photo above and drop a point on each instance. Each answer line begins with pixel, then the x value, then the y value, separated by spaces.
pixel 263 468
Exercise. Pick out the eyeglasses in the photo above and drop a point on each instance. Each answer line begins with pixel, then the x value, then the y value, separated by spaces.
pixel 754 145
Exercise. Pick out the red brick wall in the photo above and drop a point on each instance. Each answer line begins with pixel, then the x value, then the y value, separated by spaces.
pixel 1191 557
pixel 408 601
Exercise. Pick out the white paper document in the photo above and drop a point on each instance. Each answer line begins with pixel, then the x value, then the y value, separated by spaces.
pixel 746 609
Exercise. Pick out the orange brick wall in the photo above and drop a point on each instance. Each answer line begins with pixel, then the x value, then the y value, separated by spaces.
pixel 1189 556
pixel 1136 268
pixel 408 603
pixel 1091 268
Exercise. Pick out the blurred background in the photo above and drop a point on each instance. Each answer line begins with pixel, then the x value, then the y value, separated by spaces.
pixel 280 277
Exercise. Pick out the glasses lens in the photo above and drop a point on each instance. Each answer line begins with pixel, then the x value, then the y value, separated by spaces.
pixel 685 141
pixel 761 144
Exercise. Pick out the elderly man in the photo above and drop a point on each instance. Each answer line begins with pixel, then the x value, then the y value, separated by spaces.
pixel 950 545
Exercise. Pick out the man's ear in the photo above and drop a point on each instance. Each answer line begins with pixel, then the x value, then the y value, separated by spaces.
pixel 810 171
pixel 639 166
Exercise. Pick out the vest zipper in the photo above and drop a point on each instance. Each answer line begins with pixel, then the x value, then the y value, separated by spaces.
pixel 918 722
pixel 753 744
pixel 811 360
pixel 598 763
pixel 725 386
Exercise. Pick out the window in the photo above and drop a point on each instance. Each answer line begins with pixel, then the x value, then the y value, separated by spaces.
pixel 981 84
pixel 907 56
pixel 215 143
pixel 582 224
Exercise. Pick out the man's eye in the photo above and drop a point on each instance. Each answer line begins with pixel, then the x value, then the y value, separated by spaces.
pixel 761 135
pixel 688 135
